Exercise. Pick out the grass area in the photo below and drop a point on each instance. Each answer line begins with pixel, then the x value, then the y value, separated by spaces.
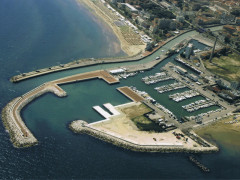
pixel 136 114
pixel 227 67
pixel 136 110
pixel 144 124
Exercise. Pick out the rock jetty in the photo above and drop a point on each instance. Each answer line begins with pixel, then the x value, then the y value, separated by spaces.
pixel 80 126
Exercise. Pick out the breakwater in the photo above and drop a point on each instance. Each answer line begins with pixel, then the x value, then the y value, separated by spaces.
pixel 72 65
pixel 20 135
pixel 83 127
pixel 92 62
pixel 198 164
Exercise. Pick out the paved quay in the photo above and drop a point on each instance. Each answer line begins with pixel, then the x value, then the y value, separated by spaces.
pixel 130 94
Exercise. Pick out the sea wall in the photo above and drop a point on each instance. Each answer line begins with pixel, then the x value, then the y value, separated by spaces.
pixel 83 127
pixel 89 62
pixel 20 135
pixel 16 135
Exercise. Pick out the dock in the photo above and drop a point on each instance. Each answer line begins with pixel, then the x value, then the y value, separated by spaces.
pixel 130 94
pixel 111 108
pixel 102 112
pixel 86 76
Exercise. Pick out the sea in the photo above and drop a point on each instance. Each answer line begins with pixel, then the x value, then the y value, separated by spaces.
pixel 38 34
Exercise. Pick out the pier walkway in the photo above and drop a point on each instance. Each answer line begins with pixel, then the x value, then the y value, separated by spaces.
pixel 86 76
pixel 130 94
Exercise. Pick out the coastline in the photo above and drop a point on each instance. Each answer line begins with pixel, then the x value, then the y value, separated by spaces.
pixel 130 50
pixel 223 132
pixel 82 127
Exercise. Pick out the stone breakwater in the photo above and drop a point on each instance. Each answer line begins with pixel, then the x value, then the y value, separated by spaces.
pixel 80 126
pixel 20 135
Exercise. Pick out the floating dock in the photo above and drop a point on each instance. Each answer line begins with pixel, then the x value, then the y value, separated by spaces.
pixel 111 108
pixel 101 111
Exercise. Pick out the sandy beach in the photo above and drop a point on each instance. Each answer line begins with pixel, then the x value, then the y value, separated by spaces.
pixel 129 48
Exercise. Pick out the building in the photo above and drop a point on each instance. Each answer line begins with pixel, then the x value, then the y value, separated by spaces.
pixel 130 8
pixel 189 51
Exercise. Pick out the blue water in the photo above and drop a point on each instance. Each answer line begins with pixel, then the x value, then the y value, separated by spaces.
pixel 36 34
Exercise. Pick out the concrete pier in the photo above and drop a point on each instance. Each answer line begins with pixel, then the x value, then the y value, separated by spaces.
pixel 100 110
pixel 111 108
pixel 130 94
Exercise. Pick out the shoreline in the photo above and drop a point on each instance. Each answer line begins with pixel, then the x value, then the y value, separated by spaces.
pixel 82 127
pixel 130 50
pixel 90 62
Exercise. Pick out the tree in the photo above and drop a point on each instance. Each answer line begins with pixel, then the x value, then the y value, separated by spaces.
pixel 227 39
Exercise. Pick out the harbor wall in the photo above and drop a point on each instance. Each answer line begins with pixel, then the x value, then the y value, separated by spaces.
pixel 20 135
pixel 83 127
pixel 88 62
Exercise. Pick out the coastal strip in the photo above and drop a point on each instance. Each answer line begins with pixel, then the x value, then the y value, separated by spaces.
pixel 131 47
pixel 91 62
pixel 80 126
pixel 20 135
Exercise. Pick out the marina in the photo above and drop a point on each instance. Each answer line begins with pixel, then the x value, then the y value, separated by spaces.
pixel 184 95
pixel 158 77
pixel 198 105
pixel 170 87
pixel 188 65
pixel 47 117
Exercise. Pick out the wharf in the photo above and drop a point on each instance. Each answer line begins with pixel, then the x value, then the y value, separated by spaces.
pixel 146 66
pixel 89 75
pixel 102 112
pixel 130 94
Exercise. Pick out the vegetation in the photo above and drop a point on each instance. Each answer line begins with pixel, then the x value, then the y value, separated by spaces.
pixel 136 114
pixel 227 67
pixel 144 124
pixel 137 110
